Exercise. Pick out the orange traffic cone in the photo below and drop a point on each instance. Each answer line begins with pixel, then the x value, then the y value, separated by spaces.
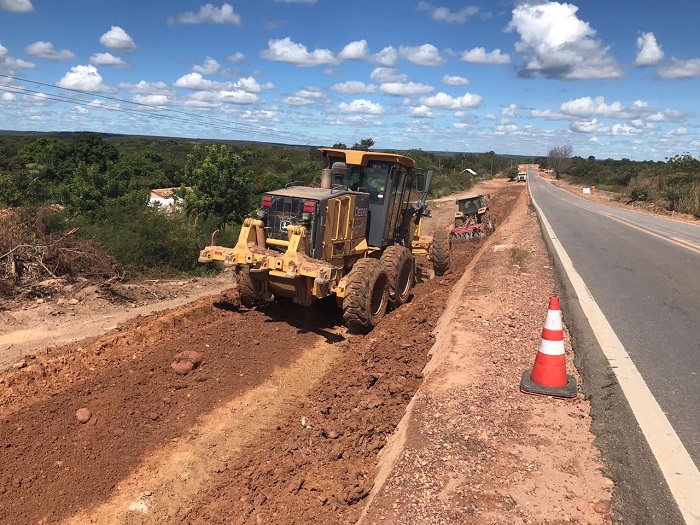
pixel 548 376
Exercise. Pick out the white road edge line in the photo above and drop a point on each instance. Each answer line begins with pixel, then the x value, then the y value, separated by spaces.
pixel 677 466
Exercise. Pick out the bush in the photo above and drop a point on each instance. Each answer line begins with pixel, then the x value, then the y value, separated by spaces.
pixel 145 240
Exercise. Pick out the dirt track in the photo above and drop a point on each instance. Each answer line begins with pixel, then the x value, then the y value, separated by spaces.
pixel 283 415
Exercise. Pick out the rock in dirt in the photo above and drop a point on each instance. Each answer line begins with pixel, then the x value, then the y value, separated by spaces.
pixel 602 507
pixel 184 362
pixel 83 415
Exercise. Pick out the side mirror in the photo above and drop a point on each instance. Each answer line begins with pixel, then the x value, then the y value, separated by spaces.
pixel 420 182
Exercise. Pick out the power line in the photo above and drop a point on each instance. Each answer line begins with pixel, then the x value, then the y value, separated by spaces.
pixel 205 120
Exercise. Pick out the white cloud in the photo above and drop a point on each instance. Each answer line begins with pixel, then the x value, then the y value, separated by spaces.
pixel 445 101
pixel 196 82
pixel 455 80
pixel 386 57
pixel 8 97
pixel 117 39
pixel 443 14
pixel 678 132
pixel 287 51
pixel 403 89
pixel 548 114
pixel 478 55
pixel 680 69
pixel 387 74
pixel 84 78
pixel 591 126
pixel 423 111
pixel 236 58
pixel 624 129
pixel 358 50
pixel 8 64
pixel 364 107
pixel 209 14
pixel 425 55
pixel 215 98
pixel 587 106
pixel 353 87
pixel 251 85
pixel 209 67
pixel 152 100
pixel 107 59
pixel 490 116
pixel 17 6
pixel 555 43
pixel 306 96
pixel 460 125
pixel 668 115
pixel 46 50
pixel 148 88
pixel 509 111
pixel 650 52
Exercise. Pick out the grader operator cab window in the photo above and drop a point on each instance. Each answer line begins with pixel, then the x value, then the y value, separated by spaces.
pixel 371 179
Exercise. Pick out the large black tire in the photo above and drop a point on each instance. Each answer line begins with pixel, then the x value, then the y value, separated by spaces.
pixel 400 267
pixel 247 289
pixel 366 295
pixel 440 251
pixel 488 221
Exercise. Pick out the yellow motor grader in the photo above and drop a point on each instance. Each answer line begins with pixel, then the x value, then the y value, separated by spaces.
pixel 355 238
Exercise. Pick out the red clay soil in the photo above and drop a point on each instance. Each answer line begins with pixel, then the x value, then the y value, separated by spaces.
pixel 315 465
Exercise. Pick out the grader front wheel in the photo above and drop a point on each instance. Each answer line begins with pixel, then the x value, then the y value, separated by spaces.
pixel 440 251
pixel 401 270
pixel 366 295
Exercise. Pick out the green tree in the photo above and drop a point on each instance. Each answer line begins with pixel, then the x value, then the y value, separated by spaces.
pixel 364 144
pixel 221 184
pixel 339 145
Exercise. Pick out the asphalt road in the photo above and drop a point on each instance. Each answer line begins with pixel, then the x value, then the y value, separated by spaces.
pixel 644 273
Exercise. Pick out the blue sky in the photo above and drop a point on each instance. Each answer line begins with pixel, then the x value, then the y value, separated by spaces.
pixel 615 79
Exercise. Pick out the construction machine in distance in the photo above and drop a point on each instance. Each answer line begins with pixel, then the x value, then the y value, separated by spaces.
pixel 472 218
pixel 355 238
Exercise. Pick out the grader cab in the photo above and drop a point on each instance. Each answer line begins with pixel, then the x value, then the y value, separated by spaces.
pixel 354 238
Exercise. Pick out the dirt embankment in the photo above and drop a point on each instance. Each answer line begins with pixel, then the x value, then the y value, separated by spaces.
pixel 283 420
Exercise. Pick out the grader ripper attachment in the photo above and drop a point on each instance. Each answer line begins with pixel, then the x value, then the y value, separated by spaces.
pixel 473 219
pixel 354 238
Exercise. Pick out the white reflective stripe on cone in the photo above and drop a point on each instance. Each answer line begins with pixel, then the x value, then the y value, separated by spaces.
pixel 551 347
pixel 553 320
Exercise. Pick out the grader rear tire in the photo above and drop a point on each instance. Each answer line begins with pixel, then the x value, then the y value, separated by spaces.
pixel 366 295
pixel 440 251
pixel 400 267
pixel 247 289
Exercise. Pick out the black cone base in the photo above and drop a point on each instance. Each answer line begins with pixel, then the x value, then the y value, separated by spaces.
pixel 528 386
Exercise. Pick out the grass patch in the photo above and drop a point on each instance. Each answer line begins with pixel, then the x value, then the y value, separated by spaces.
pixel 517 257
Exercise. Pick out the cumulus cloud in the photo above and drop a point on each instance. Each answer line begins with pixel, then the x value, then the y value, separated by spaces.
pixel 353 87
pixel 152 100
pixel 9 64
pixel 147 88
pixel 478 55
pixel 358 50
pixel 386 57
pixel 587 106
pixel 423 111
pixel 216 98
pixel 624 129
pixel 387 74
pixel 425 55
pixel 287 51
pixel 236 58
pixel 361 106
pixel 443 14
pixel 84 78
pixel 117 39
pixel 46 50
pixel 555 43
pixel 650 52
pixel 455 80
pixel 306 96
pixel 209 67
pixel 8 97
pixel 445 101
pixel 668 115
pixel 196 82
pixel 209 14
pixel 680 69
pixel 405 89
pixel 591 126
pixel 509 111
pixel 17 6
pixel 107 59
